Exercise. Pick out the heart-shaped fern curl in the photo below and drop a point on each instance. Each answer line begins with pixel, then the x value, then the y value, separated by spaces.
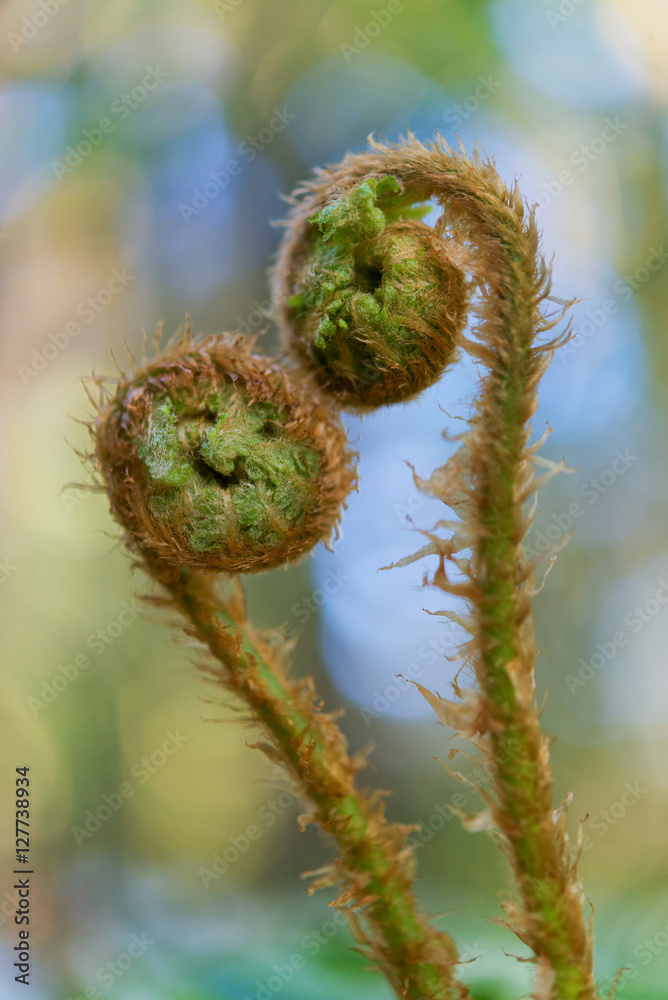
pixel 369 299
pixel 213 459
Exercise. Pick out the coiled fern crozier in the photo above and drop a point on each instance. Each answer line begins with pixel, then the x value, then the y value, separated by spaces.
pixel 217 461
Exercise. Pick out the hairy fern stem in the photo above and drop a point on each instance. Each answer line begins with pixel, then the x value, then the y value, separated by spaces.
pixel 375 869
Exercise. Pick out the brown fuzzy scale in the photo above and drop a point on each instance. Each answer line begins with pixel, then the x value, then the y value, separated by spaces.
pixel 180 373
pixel 488 483
pixel 370 371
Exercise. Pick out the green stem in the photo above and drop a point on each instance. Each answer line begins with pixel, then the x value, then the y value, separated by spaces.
pixel 521 762
pixel 416 958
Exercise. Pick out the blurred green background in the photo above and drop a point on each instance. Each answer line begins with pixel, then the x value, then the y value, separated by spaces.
pixel 145 147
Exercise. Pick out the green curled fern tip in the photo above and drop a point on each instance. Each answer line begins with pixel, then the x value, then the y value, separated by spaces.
pixel 369 300
pixel 213 459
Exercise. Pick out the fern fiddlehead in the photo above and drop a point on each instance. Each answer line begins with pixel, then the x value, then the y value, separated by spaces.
pixel 216 460
pixel 485 229
pixel 368 297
